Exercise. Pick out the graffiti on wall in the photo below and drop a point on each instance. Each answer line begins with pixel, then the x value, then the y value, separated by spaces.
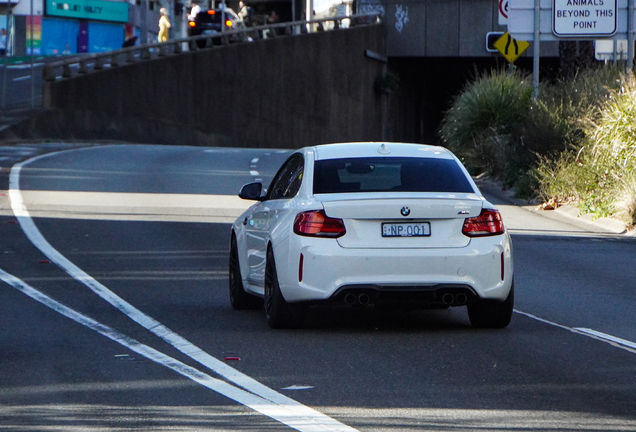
pixel 401 17
pixel 371 7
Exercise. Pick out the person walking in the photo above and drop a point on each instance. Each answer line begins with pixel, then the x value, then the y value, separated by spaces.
pixel 194 11
pixel 3 42
pixel 164 25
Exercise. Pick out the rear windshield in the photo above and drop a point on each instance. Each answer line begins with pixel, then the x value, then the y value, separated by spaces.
pixel 381 174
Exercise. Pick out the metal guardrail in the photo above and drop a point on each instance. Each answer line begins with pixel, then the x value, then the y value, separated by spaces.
pixel 83 64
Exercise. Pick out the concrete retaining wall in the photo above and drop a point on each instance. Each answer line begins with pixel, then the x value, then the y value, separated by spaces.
pixel 286 92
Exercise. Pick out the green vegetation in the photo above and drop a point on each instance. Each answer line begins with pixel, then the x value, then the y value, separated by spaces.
pixel 576 143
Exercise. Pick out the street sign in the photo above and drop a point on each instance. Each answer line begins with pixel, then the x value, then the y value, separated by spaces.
pixel 510 48
pixel 491 38
pixel 503 12
pixel 584 18
pixel 521 19
pixel 611 50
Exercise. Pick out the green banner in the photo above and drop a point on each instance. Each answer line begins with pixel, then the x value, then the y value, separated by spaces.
pixel 115 11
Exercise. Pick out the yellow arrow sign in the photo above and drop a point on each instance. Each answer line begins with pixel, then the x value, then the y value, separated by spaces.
pixel 510 48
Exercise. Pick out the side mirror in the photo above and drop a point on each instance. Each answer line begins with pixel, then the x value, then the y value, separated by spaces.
pixel 251 191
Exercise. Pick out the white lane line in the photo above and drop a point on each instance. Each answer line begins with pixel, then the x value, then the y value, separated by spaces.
pixel 29 228
pixel 254 173
pixel 608 338
pixel 254 161
pixel 277 412
pixel 603 337
pixel 27 77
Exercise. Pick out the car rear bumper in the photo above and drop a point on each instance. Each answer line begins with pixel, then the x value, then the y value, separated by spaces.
pixel 481 270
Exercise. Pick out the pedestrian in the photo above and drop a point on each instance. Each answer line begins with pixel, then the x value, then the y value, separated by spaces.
pixel 194 11
pixel 244 13
pixel 164 25
pixel 3 42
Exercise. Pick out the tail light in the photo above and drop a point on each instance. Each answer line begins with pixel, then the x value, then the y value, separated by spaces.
pixel 317 223
pixel 488 223
pixel 211 12
pixel 192 23
pixel 228 23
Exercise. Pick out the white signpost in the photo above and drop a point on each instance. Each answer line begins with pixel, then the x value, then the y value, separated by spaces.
pixel 589 18
pixel 569 19
pixel 503 12
pixel 556 20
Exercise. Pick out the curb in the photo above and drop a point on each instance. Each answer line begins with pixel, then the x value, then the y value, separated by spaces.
pixel 571 212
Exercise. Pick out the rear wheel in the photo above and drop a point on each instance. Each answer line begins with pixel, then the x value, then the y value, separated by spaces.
pixel 279 313
pixel 239 298
pixel 491 314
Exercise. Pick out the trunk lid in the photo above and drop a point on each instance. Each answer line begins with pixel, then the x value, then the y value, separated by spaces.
pixel 440 218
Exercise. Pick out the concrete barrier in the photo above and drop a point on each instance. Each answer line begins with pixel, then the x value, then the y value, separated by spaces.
pixel 284 92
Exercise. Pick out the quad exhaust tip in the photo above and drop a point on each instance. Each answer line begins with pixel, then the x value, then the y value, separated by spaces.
pixel 456 299
pixel 357 300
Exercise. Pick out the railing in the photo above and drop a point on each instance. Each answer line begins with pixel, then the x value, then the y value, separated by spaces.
pixel 83 64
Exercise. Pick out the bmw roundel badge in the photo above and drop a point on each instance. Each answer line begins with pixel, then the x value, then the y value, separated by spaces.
pixel 405 211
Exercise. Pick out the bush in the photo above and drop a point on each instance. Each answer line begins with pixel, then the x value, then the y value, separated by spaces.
pixel 625 203
pixel 596 173
pixel 577 142
pixel 482 126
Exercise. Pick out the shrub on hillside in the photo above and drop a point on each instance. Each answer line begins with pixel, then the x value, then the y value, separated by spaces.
pixel 495 128
pixel 483 124
pixel 598 174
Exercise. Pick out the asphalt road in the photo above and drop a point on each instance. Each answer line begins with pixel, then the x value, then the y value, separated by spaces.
pixel 136 331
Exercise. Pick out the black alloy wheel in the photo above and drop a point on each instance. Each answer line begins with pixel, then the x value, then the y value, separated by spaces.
pixel 278 312
pixel 492 314
pixel 239 298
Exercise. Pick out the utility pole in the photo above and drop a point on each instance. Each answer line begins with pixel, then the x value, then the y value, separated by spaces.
pixel 4 57
pixel 144 22
pixel 32 53
pixel 536 50
pixel 630 35
pixel 309 12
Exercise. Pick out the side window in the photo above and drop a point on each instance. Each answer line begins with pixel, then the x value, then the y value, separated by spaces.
pixel 288 180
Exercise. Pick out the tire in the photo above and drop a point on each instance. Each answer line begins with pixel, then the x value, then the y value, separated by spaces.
pixel 492 314
pixel 239 298
pixel 278 312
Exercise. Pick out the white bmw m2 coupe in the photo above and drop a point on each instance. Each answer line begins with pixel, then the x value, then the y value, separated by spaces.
pixel 371 224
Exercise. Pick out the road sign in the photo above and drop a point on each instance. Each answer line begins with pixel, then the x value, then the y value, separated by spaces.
pixel 510 48
pixel 491 38
pixel 521 19
pixel 609 50
pixel 584 18
pixel 503 12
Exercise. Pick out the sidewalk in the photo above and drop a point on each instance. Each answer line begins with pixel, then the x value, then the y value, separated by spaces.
pixel 567 212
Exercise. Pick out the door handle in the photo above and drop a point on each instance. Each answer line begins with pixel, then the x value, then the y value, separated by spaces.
pixel 245 221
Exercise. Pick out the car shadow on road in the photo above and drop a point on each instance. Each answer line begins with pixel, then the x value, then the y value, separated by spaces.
pixel 370 318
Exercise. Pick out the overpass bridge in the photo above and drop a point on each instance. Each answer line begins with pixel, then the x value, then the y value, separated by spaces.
pixel 376 79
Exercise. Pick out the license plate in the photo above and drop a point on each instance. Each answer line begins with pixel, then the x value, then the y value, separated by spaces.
pixel 422 229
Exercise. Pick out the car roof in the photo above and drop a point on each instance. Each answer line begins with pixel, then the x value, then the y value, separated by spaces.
pixel 379 149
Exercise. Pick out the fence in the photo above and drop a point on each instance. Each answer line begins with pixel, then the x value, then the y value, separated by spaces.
pixel 84 64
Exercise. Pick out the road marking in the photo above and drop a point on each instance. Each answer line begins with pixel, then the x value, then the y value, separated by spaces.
pixel 286 415
pixel 27 77
pixel 609 338
pixel 314 419
pixel 603 337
